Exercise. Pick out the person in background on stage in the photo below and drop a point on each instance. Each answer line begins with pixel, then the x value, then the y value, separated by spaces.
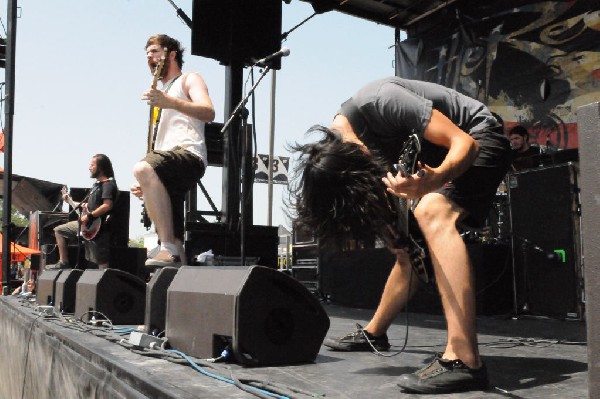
pixel 345 189
pixel 524 155
pixel 179 157
pixel 98 204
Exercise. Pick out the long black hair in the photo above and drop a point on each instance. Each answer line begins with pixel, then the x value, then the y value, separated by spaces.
pixel 337 192
pixel 103 163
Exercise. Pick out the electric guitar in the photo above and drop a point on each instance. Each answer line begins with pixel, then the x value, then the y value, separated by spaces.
pixel 152 125
pixel 153 118
pixel 90 229
pixel 410 237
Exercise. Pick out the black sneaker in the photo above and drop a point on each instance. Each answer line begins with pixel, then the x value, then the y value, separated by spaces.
pixel 358 341
pixel 445 376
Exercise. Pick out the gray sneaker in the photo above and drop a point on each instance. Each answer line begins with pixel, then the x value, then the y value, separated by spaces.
pixel 58 265
pixel 172 261
pixel 358 341
pixel 445 376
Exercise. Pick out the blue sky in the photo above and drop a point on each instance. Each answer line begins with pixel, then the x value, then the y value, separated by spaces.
pixel 81 70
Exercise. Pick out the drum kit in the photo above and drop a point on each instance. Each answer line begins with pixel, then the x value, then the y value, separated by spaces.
pixel 497 229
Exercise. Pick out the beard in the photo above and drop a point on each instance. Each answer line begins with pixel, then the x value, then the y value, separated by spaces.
pixel 154 65
pixel 165 68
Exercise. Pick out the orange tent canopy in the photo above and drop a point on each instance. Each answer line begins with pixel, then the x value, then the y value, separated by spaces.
pixel 18 253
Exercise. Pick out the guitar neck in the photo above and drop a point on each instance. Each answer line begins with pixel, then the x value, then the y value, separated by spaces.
pixel 151 121
pixel 74 206
pixel 150 129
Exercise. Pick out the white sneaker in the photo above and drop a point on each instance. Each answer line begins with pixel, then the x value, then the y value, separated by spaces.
pixel 153 252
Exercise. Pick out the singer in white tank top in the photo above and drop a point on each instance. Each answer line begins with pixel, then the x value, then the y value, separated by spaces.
pixel 178 156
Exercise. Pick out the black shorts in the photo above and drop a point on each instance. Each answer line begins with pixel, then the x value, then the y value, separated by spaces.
pixel 97 250
pixel 476 189
pixel 179 170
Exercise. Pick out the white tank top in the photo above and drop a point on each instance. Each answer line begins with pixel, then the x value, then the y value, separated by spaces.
pixel 177 129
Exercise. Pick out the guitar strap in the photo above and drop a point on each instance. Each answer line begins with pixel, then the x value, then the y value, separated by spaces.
pixel 155 132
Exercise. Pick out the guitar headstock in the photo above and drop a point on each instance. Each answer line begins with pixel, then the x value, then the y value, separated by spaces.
pixel 159 68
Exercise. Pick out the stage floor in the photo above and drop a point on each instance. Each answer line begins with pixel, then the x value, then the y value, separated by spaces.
pixel 526 358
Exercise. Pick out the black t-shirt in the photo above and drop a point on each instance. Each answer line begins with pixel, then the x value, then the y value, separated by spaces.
pixel 101 190
pixel 384 113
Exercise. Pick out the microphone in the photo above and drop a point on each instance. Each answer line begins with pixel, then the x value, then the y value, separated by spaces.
pixel 283 52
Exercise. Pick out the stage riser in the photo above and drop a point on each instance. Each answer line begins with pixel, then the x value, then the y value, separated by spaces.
pixel 32 356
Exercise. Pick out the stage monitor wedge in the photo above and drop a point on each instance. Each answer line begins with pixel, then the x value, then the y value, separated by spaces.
pixel 156 300
pixel 66 286
pixel 46 287
pixel 117 295
pixel 266 316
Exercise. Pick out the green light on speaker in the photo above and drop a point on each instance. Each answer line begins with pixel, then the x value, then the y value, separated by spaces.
pixel 562 253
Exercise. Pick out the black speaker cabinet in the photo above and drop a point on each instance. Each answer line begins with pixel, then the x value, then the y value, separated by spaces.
pixel 236 30
pixel 36 261
pixel 46 287
pixel 355 278
pixel 156 300
pixel 41 234
pixel 130 260
pixel 66 285
pixel 492 265
pixel 545 231
pixel 116 294
pixel 268 317
pixel 588 122
pixel 261 242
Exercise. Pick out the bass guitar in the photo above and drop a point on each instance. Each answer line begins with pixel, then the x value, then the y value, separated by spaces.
pixel 90 229
pixel 410 237
pixel 152 125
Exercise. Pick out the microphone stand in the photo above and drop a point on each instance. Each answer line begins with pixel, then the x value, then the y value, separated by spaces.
pixel 238 108
pixel 244 100
pixel 181 14
pixel 79 241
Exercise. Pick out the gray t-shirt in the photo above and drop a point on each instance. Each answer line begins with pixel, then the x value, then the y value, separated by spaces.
pixel 384 113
